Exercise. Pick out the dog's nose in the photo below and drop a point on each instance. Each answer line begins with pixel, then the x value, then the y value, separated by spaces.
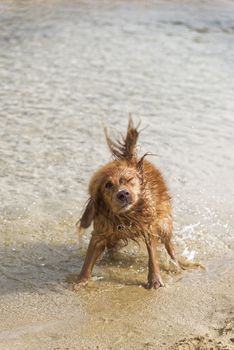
pixel 123 195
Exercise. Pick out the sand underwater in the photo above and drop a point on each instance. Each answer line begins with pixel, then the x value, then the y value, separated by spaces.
pixel 66 69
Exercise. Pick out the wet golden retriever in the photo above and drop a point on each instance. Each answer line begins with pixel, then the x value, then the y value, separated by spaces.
pixel 128 200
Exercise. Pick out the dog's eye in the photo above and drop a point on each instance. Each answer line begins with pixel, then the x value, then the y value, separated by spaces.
pixel 131 180
pixel 122 180
pixel 109 185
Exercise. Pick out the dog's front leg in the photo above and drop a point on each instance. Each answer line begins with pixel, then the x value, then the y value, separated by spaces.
pixel 154 278
pixel 95 248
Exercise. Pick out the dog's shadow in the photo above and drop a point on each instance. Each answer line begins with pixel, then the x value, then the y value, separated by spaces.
pixel 37 266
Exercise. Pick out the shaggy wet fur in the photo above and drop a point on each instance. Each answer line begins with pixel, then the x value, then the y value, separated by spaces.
pixel 128 200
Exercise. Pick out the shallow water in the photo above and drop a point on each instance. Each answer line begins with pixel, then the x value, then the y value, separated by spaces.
pixel 67 69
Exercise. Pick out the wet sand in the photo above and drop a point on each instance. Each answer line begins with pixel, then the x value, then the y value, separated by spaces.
pixel 40 310
pixel 67 68
pixel 193 311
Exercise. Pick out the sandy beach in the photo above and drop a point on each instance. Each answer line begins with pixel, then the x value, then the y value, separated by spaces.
pixel 67 68
pixel 194 310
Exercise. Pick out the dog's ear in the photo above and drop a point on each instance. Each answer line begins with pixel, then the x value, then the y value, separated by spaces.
pixel 88 214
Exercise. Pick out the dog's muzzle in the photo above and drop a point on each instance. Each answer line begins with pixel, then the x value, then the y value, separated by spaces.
pixel 124 197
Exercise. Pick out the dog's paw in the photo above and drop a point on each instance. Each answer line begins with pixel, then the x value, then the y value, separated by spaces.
pixel 155 284
pixel 79 283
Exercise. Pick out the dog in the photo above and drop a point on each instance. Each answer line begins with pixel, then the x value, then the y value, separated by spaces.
pixel 129 200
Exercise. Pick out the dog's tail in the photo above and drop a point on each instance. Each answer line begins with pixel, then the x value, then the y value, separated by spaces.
pixel 125 148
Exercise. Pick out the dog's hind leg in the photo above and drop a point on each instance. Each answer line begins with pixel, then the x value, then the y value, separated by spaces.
pixel 164 231
pixel 170 249
pixel 113 247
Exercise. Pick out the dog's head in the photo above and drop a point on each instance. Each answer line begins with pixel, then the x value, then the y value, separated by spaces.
pixel 116 187
pixel 120 188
